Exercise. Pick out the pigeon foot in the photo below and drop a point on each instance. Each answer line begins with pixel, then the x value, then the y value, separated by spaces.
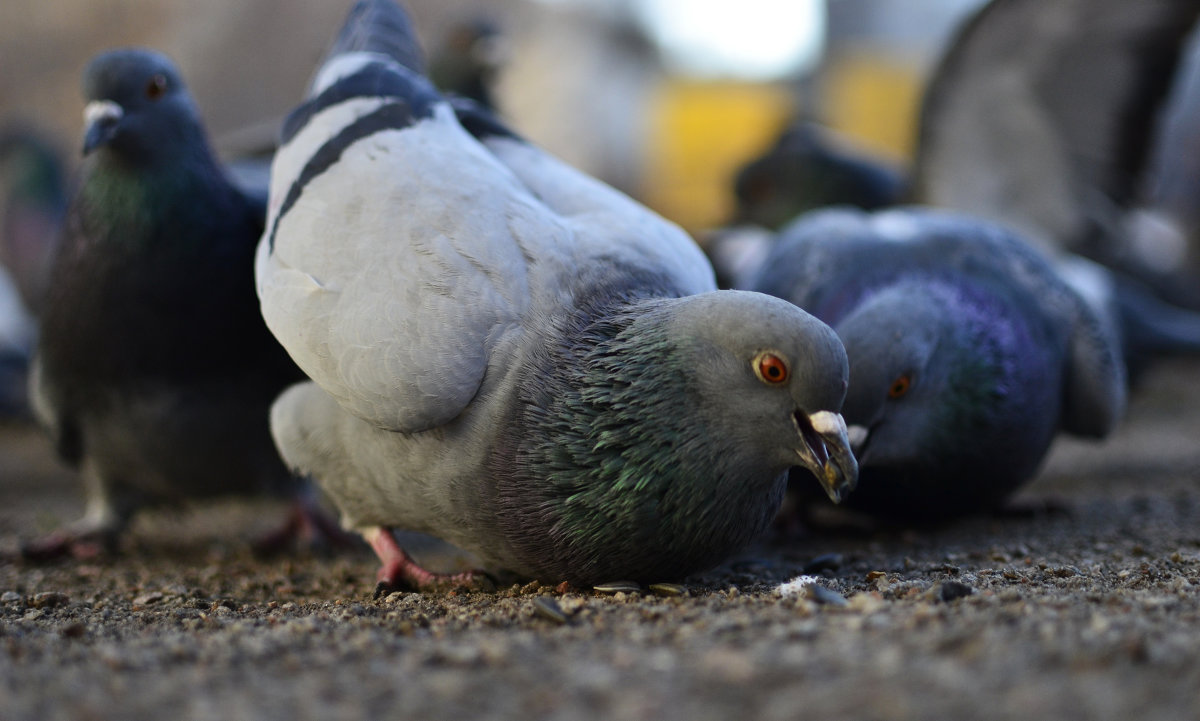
pixel 65 543
pixel 306 527
pixel 399 572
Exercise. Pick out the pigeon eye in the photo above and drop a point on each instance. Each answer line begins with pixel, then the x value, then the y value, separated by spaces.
pixel 900 386
pixel 156 87
pixel 770 368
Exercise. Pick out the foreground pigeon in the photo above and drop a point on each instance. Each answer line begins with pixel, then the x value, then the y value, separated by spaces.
pixel 154 372
pixel 967 353
pixel 513 357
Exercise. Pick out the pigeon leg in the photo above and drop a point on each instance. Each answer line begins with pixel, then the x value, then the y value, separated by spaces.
pixel 306 526
pixel 400 572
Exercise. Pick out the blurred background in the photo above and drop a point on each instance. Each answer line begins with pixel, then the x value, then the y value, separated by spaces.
pixel 664 99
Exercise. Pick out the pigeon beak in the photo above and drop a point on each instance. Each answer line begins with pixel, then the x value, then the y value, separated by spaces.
pixel 100 121
pixel 825 452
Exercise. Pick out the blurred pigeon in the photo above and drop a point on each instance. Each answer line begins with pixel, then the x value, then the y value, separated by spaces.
pixel 808 168
pixel 468 60
pixel 514 357
pixel 154 372
pixel 967 351
pixel 33 201
pixel 32 204
pixel 1043 115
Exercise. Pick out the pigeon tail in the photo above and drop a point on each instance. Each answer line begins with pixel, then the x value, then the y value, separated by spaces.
pixel 377 26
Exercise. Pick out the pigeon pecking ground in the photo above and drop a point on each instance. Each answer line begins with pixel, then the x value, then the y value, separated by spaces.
pixel 1087 608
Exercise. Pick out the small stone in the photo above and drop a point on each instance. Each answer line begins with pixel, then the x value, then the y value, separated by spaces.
pixel 74 630
pixel 948 591
pixel 825 596
pixel 10 597
pixel 49 599
pixel 148 598
pixel 825 562
pixel 33 614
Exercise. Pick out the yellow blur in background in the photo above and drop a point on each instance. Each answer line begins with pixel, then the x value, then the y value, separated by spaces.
pixel 702 132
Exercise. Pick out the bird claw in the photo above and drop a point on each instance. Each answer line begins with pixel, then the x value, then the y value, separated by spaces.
pixel 399 572
pixel 306 527
pixel 64 544
pixel 413 578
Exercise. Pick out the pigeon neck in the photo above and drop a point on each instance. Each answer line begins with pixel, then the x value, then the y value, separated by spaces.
pixel 139 198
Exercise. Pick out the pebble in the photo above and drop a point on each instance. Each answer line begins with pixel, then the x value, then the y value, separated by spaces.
pixel 826 562
pixel 10 597
pixel 947 591
pixel 49 599
pixel 825 596
pixel 148 598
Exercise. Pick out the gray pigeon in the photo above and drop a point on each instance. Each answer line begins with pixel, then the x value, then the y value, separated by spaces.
pixel 154 372
pixel 968 353
pixel 514 357
pixel 1043 114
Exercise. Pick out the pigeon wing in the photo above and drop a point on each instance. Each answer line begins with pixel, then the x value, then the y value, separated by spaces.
pixel 397 248
pixel 1039 113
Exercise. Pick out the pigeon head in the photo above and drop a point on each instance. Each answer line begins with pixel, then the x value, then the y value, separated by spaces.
pixel 674 423
pixel 138 107
pixel 772 380
pixel 939 381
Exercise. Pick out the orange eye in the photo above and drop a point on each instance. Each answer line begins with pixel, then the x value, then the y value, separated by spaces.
pixel 156 87
pixel 900 386
pixel 770 368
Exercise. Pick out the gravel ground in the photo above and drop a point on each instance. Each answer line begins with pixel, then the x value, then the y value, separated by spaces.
pixel 1081 603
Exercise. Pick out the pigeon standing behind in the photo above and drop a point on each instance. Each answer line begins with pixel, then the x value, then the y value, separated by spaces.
pixel 513 357
pixel 33 201
pixel 154 372
pixel 1043 115
pixel 807 169
pixel 32 205
pixel 968 353
pixel 471 55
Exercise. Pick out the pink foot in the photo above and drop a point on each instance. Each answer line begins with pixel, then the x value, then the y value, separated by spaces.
pixel 306 526
pixel 66 544
pixel 400 572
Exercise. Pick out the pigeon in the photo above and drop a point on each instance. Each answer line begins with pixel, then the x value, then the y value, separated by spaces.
pixel 32 205
pixel 33 202
pixel 968 353
pixel 154 371
pixel 807 168
pixel 513 357
pixel 470 57
pixel 1044 114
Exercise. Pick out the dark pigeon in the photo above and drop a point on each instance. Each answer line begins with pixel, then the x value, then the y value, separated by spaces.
pixel 514 357
pixel 806 169
pixel 154 372
pixel 968 353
